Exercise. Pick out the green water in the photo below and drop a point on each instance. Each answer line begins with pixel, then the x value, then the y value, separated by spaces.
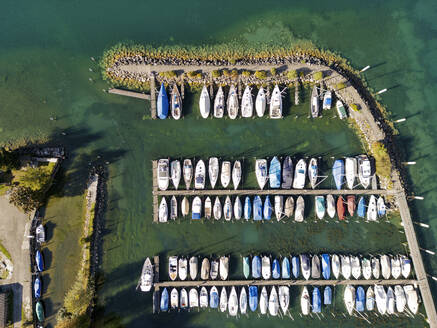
pixel 45 60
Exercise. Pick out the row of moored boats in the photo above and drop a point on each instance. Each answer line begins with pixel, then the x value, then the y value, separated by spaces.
pixel 40 237
pixel 183 268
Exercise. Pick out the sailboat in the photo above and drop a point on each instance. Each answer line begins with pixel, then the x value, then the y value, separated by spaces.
pixel 261 172
pixel 361 211
pixel 163 305
pixel 276 103
pixel 285 268
pixel 236 174
pixel 356 267
pixel 346 269
pixel 183 299
pixel 367 268
pixel 214 271
pixel 163 174
pixel 390 301
pixel 200 175
pixel 300 175
pixel 260 102
pixel 380 205
pixel 219 103
pixel 208 208
pixel 364 170
pixel 273 302
pixel 213 298
pixel 224 267
pixel 401 300
pixel 185 206
pixel 349 298
pixel 326 266
pixel 194 262
pixel 256 267
pixel 287 173
pixel 300 209
pixel 351 204
pixel 182 268
pixel 330 206
pixel 376 267
pixel 266 268
pixel 227 209
pixel 360 299
pixel 204 102
pixel 385 266
pixel 39 309
pixel 338 173
pixel 412 298
pixel 146 280
pixel 246 267
pixel 247 103
pixel 276 269
pixel 204 270
pixel 370 299
pixel 313 172
pixel 223 300
pixel 267 212
pixel 372 213
pixel 194 298
pixel 257 209
pixel 341 110
pixel 163 211
pixel 173 267
pixel 284 298
pixel 351 171
pixel 188 172
pixel 173 208
pixel 162 103
pixel 175 169
pixel 225 176
pixel 275 173
pixel 232 103
pixel 247 208
pixel 279 200
pixel 233 302
pixel 317 300
pixel 174 299
pixel 335 265
pixel 263 301
pixel 203 297
pixel 289 206
pixel 340 208
pixel 315 102
pixel 396 267
pixel 37 285
pixel 327 295
pixel 253 298
pixel 176 103
pixel 315 267
pixel 295 266
pixel 196 209
pixel 238 208
pixel 327 100
pixel 305 301
pixel 217 209
pixel 305 266
pixel 213 170
pixel 320 207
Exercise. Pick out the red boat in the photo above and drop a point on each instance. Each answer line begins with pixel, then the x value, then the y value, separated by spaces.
pixel 351 204
pixel 340 208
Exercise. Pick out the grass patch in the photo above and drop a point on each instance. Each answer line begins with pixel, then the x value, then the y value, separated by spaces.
pixel 5 252
pixel 382 160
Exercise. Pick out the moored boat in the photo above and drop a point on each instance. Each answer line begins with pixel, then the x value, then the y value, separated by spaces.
pixel 400 298
pixel 208 208
pixel 247 208
pixel 314 105
pixel 327 295
pixel 224 267
pixel 279 200
pixel 326 266
pixel 232 104
pixel 335 265
pixel 364 170
pixel 351 171
pixel 396 267
pixel 183 299
pixel 174 299
pixel 39 309
pixel 284 298
pixel 295 266
pixel 236 174
pixel 412 298
pixel 39 261
pixel 276 103
pixel 349 298
pixel 313 172
pixel 213 298
pixel 263 301
pixel 320 206
pixel 173 208
pixel 300 209
pixel 163 174
pixel 385 266
pixel 285 268
pixel 257 209
pixel 163 210
pixel 246 267
pixel 287 173
pixel 405 266
pixel 327 100
pixel 268 209
pixel 204 269
pixel 315 267
pixel 367 268
pixel 360 299
pixel 305 266
pixel 289 206
pixel 217 209
pixel 162 103
pixel 193 298
pixel 200 175
pixel 317 300
pixel 346 269
pixel 260 102
pixel 233 302
pixel 247 103
pixel 381 299
pixel 203 297
pixel 376 267
pixel 253 298
pixel 380 205
pixel 372 213
pixel 390 300
pixel 266 268
pixel 370 299
pixel 341 111
pixel 256 267
pixel 188 172
pixel 163 304
pixel 213 171
pixel 351 204
pixel 238 208
pixel 273 302
pixel 338 173
pixel 300 175
pixel 305 301
pixel 194 262
pixel 275 173
pixel 223 300
pixel 261 172
pixel 330 205
pixel 276 269
pixel 204 102
pixel 340 208
pixel 355 267
pixel 146 280
pixel 40 234
pixel 214 270
pixel 361 211
pixel 185 206
pixel 182 268
pixel 219 103
pixel 176 103
pixel 225 175
pixel 227 209
pixel 37 285
pixel 196 209
pixel 173 267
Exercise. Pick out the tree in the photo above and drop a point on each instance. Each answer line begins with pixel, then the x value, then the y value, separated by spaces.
pixel 8 160
pixel 261 75
pixel 318 76
pixel 273 71
pixel 292 74
pixel 35 178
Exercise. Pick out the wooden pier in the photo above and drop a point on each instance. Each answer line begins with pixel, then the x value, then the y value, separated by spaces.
pixel 127 93
pixel 153 110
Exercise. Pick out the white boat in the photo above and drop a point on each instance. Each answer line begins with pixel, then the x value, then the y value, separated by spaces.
pixel 196 208
pixel 330 204
pixel 273 302
pixel 289 206
pixel 305 302
pixel 372 213
pixel 204 102
pixel 266 270
pixel 185 206
pixel 276 103
pixel 390 301
pixel 213 170
pixel 341 111
pixel 204 270
pixel 380 206
pixel 300 209
pixel 200 175
pixel 320 206
pixel 225 176
pixel 217 209
pixel 194 298
pixel 327 100
pixel 173 208
pixel 355 267
pixel 396 267
pixel 401 299
pixel 335 265
pixel 385 266
pixel 351 171
pixel 284 298
pixel 163 174
pixel 405 266
pixel 163 210
pixel 263 301
pixel 261 172
pixel 381 299
pixel 224 267
pixel 313 172
pixel 203 298
pixel 279 211
pixel 305 266
pixel 247 103
pixel 176 103
pixel 232 103
pixel 243 300
pixel 364 170
pixel 175 169
pixel 194 264
pixel 367 268
pixel 214 272
pixel 40 234
pixel 173 267
pixel 219 103
pixel 315 102
pixel 183 299
pixel 300 175
pixel 146 280
pixel 412 298
pixel 174 298
pixel 233 302
pixel 346 269
pixel 376 267
pixel 223 300
pixel 236 174
pixel 349 298
pixel 208 208
pixel 183 268
pixel 187 172
pixel 238 208
pixel 370 299
pixel 227 209
pixel 315 267
pixel 260 102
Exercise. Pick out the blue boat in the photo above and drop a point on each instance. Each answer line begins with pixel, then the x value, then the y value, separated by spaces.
pixel 326 266
pixel 361 211
pixel 317 300
pixel 39 261
pixel 360 299
pixel 327 296
pixel 256 267
pixel 275 173
pixel 162 103
pixel 213 298
pixel 257 209
pixel 276 269
pixel 164 300
pixel 253 298
pixel 338 173
pixel 285 268
pixel 247 208
pixel 37 287
pixel 267 208
pixel 295 265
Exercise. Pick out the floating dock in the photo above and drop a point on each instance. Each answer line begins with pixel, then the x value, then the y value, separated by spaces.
pixel 127 93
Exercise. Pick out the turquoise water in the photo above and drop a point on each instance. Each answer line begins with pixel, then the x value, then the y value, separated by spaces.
pixel 45 61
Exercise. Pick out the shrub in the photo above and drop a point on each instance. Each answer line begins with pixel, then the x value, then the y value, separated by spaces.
pixel 168 74
pixel 234 73
pixel 382 160
pixel 226 72
pixel 215 73
pixel 340 86
pixel 261 75
pixel 191 74
pixel 232 61
pixel 273 71
pixel 292 74
pixel 318 76
pixel 246 73
pixel 35 178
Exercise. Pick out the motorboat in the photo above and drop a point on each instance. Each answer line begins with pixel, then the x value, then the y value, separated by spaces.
pixel 163 211
pixel 330 206
pixel 405 266
pixel 300 174
pixel 217 209
pixel 340 208
pixel 380 206
pixel 174 299
pixel 376 267
pixel 243 300
pixel 213 171
pixel 367 268
pixel 385 266
pixel 314 106
pixel 39 309
pixel 313 172
pixel 351 171
pixel 279 210
pixel 173 208
pixel 225 176
pixel 361 211
pixel 223 300
pixel 327 100
pixel 284 298
pixel 305 301
pixel 360 299
pixel 320 207
pixel 276 269
pixel 268 209
pixel 238 208
pixel 390 301
pixel 400 298
pixel 193 298
pixel 289 206
pixel 276 103
pixel 204 102
pixel 396 267
pixel 273 302
pixel 295 266
pixel 364 170
pixel 305 266
pixel 355 267
pixel 247 210
pixel 257 209
pixel 183 299
pixel 227 209
pixel 187 172
pixel 163 304
pixel 213 298
pixel 260 102
pixel 263 301
pixel 204 269
pixel 335 265
pixel 163 173
pixel 194 263
pixel 315 267
pixel 208 208
pixel 176 103
pixel 372 213
pixel 317 300
pixel 146 280
pixel 287 173
pixel 219 103
pixel 351 204
pixel 200 175
pixel 224 267
pixel 173 267
pixel 162 103
pixel 247 103
pixel 203 297
pixel 338 173
pixel 341 111
pixel 256 267
pixel 214 271
pixel 266 268
pixel 346 268
pixel 232 103
pixel 236 174
pixel 261 172
pixel 246 267
pixel 370 299
pixel 37 285
pixel 412 298
pixel 182 268
pixel 185 206
pixel 196 208
pixel 381 299
pixel 40 234
pixel 327 296
pixel 275 173
pixel 253 298
pixel 300 209
pixel 286 272
pixel 233 302
pixel 326 266
pixel 349 298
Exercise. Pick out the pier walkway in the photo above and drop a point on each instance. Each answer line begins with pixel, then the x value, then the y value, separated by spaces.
pixel 127 93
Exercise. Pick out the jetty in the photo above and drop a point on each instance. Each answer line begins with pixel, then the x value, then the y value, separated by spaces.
pixel 128 93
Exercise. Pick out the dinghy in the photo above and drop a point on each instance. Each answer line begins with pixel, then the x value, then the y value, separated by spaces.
pixel 214 271
pixel 163 305
pixel 257 209
pixel 176 103
pixel 246 267
pixel 285 268
pixel 188 172
pixel 380 205
pixel 146 280
pixel 232 103
pixel 330 202
pixel 173 208
pixel 300 209
pixel 300 174
pixel 39 309
pixel 351 171
pixel 364 170
pixel 273 302
pixel 247 208
pixel 204 270
pixel 305 301
pixel 376 268
pixel 367 268
pixel 238 208
pixel 256 267
pixel 145 286
pixel 253 298
pixel 360 299
pixel 361 211
pixel 261 172
pixel 320 207
pixel 313 172
pixel 219 103
pixel 203 297
pixel 194 262
pixel 326 266
pixel 341 111
pixel 233 302
pixel 40 234
pixel 225 176
pixel 340 208
pixel 349 298
pixel 224 267
pixel 338 173
pixel 327 296
pixel 260 102
pixel 267 211
pixel 381 299
pixel 183 299
pixel 173 267
pixel 227 209
pixel 275 173
pixel 412 298
pixel 327 100
pixel 182 268
pixel 372 213
pixel 162 103
pixel 199 175
pixel 279 200
pixel 396 267
pixel 289 206
pixel 223 300
pixel 276 103
pixel 236 174
pixel 317 300
pixel 196 208
pixel 263 301
pixel 194 298
pixel 174 299
pixel 346 269
pixel 247 103
pixel 287 173
pixel 163 174
pixel 351 204
pixel 213 170
pixel 284 298
pixel 315 267
pixel 243 300
pixel 266 268
pixel 217 209
pixel 163 210
pixel 185 206
pixel 385 266
pixel 305 266
pixel 355 267
pixel 208 208
pixel 401 300
pixel 276 269
pixel 314 105
pixel 405 266
pixel 213 298
pixel 370 299
pixel 390 301
pixel 336 267
pixel 204 102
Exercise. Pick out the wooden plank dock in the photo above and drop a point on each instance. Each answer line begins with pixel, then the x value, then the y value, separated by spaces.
pixel 127 93
pixel 152 96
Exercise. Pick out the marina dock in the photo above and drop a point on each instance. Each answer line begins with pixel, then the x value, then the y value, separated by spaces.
pixel 303 192
pixel 127 93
